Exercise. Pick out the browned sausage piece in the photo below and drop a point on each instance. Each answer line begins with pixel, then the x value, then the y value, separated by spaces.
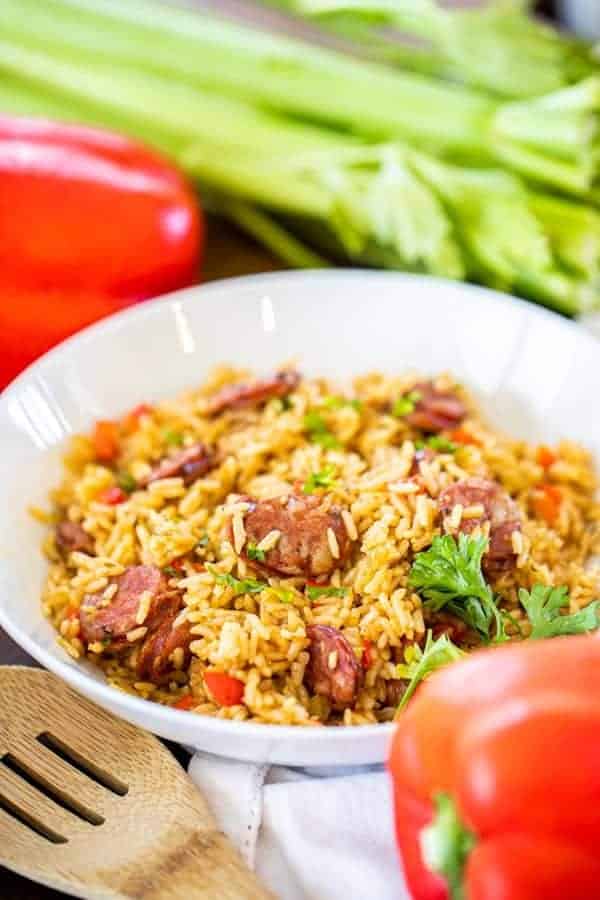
pixel 236 396
pixel 435 410
pixel 190 464
pixel 154 660
pixel 394 689
pixel 308 528
pixel 499 510
pixel 71 537
pixel 112 619
pixel 333 670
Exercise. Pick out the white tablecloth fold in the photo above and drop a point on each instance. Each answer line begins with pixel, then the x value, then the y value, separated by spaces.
pixel 309 836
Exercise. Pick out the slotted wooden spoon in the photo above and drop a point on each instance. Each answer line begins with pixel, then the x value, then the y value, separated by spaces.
pixel 97 808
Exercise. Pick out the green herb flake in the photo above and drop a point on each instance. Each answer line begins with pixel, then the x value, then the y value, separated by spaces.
pixel 323 479
pixel 543 606
pixel 421 663
pixel 171 572
pixel 406 404
pixel 286 404
pixel 252 552
pixel 173 438
pixel 318 431
pixel 338 402
pixel 127 482
pixel 441 444
pixel 239 586
pixel 284 595
pixel 314 591
pixel 203 542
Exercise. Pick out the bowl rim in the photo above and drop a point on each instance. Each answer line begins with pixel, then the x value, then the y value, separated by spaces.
pixel 137 707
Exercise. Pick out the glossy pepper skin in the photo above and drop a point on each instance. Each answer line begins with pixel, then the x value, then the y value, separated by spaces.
pixel 507 742
pixel 89 222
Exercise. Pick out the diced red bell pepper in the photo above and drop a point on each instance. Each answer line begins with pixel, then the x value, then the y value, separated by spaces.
pixel 547 502
pixel 367 654
pixel 105 440
pixel 545 457
pixel 225 689
pixel 186 702
pixel 112 496
pixel 495 769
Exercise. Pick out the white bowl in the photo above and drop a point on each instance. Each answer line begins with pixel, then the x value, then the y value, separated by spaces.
pixel 537 375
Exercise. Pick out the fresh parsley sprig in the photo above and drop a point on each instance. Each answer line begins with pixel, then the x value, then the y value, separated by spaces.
pixel 315 591
pixel 448 576
pixel 432 657
pixel 543 606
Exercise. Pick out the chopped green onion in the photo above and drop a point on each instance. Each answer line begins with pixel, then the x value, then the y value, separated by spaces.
pixel 173 438
pixel 127 482
pixel 406 404
pixel 252 552
pixel 239 586
pixel 314 592
pixel 323 479
pixel 318 431
pixel 442 444
pixel 337 402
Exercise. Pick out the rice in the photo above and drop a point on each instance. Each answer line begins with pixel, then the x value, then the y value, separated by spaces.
pixel 198 534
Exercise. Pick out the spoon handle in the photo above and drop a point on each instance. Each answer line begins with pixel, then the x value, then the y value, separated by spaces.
pixel 204 866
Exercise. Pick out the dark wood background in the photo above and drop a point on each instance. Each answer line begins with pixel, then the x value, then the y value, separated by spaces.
pixel 228 253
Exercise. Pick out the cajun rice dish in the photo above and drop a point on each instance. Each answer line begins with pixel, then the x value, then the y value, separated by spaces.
pixel 288 551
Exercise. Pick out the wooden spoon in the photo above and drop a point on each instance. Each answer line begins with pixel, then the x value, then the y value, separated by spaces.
pixel 97 808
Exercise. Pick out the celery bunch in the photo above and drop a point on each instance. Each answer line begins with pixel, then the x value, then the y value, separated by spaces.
pixel 321 157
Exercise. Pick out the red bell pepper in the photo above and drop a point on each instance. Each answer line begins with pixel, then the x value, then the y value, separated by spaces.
pixel 496 773
pixel 89 222
pixel 225 689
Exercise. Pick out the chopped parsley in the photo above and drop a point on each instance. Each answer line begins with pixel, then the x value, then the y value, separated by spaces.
pixel 318 431
pixel 337 402
pixel 284 595
pixel 252 552
pixel 448 576
pixel 314 591
pixel 422 663
pixel 126 482
pixel 543 606
pixel 323 479
pixel 171 572
pixel 406 404
pixel 203 542
pixel 239 586
pixel 173 438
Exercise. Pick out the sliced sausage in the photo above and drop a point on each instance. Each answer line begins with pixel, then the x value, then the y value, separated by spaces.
pixel 499 510
pixel 333 670
pixel 112 619
pixel 394 689
pixel 306 525
pixel 236 396
pixel 71 537
pixel 154 659
pixel 452 626
pixel 435 410
pixel 190 464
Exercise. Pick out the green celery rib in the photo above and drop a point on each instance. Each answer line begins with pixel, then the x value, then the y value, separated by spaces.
pixel 296 79
pixel 268 232
pixel 499 48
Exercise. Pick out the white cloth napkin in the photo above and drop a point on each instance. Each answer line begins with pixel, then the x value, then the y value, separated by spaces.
pixel 325 836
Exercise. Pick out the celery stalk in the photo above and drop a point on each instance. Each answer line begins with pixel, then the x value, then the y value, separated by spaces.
pixel 295 79
pixel 499 47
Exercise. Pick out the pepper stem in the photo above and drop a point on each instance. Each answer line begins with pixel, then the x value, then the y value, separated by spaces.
pixel 446 845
